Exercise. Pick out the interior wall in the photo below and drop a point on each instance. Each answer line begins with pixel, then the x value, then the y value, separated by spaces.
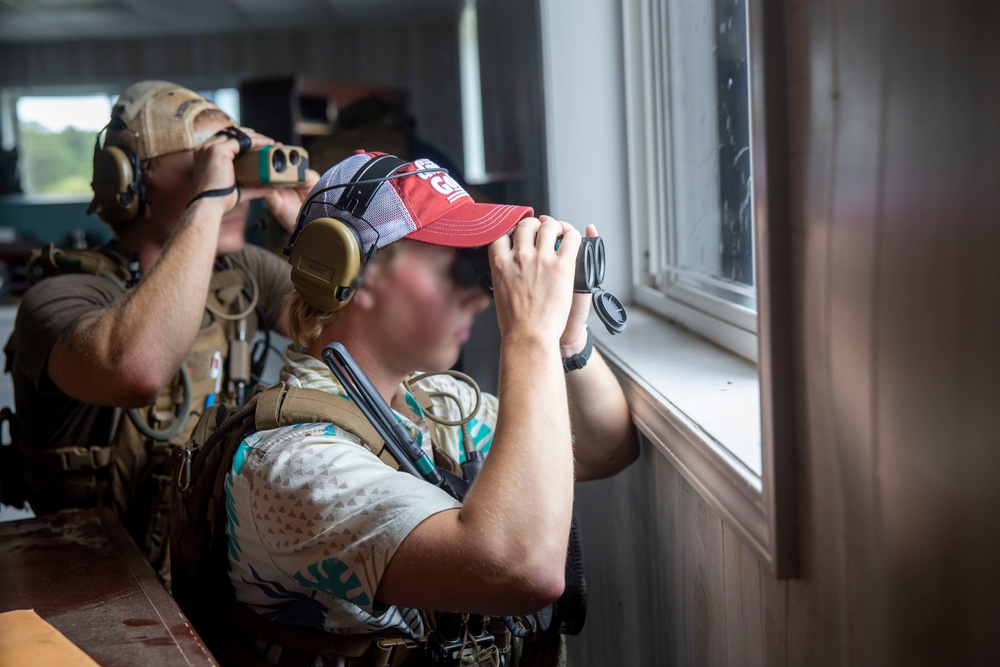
pixel 421 57
pixel 895 161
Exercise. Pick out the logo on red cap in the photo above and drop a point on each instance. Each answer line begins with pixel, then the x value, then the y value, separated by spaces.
pixel 441 182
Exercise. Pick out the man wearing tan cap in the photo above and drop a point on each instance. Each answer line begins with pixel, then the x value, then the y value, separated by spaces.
pixel 155 325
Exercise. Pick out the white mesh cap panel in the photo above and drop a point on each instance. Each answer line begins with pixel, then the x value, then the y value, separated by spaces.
pixel 385 213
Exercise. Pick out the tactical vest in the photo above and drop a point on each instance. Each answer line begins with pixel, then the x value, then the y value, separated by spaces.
pixel 198 541
pixel 128 470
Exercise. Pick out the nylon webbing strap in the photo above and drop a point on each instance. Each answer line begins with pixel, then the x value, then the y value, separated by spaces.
pixel 69 459
pixel 284 406
pixel 422 397
pixel 268 404
pixel 298 638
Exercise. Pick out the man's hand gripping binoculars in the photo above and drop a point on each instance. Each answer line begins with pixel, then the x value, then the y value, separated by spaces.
pixel 473 268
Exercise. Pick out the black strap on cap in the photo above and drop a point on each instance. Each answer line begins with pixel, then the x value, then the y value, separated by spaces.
pixel 356 198
pixel 375 172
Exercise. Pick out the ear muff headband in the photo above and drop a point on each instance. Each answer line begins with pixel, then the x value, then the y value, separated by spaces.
pixel 119 195
pixel 368 179
pixel 326 254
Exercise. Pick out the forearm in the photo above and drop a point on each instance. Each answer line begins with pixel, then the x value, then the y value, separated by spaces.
pixel 605 440
pixel 136 345
pixel 524 493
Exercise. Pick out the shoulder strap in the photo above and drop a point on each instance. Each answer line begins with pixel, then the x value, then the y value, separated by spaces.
pixel 51 261
pixel 422 397
pixel 281 405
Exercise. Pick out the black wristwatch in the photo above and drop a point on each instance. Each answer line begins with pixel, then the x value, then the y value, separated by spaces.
pixel 578 361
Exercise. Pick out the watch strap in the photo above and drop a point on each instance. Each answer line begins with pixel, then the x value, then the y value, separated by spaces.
pixel 579 360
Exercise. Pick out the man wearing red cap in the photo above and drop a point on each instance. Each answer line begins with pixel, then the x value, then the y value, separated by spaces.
pixel 147 330
pixel 322 533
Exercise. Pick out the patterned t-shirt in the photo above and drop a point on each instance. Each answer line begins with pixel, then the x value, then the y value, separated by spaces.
pixel 314 517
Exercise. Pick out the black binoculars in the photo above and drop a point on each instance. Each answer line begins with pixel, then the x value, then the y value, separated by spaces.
pixel 472 267
pixel 272 165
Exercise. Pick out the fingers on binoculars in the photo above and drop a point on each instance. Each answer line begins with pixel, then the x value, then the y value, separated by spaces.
pixel 548 233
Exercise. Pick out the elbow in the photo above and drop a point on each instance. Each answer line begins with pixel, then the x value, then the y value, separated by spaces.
pixel 536 582
pixel 548 586
pixel 612 462
pixel 629 453
pixel 140 382
pixel 139 391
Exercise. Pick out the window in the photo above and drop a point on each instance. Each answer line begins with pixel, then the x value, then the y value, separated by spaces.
pixel 706 154
pixel 698 266
pixel 56 141
pixel 472 94
pixel 55 134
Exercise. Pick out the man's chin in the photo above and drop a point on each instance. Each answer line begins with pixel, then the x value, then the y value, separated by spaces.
pixel 441 362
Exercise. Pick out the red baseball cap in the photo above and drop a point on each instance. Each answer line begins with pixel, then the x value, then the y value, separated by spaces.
pixel 428 206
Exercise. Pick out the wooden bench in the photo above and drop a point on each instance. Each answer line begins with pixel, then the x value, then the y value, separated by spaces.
pixel 81 572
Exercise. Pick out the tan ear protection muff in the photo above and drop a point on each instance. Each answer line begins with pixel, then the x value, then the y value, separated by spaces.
pixel 119 195
pixel 326 254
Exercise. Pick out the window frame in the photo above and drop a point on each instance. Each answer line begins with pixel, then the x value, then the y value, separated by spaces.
pixel 762 510
pixel 728 324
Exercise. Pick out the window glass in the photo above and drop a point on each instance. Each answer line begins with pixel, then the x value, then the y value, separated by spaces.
pixel 57 141
pixel 57 134
pixel 227 99
pixel 709 248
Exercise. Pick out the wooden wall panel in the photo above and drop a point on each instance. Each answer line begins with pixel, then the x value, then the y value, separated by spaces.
pixel 743 604
pixel 939 323
pixel 851 301
pixel 894 147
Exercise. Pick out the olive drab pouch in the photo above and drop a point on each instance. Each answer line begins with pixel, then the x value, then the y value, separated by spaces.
pixel 13 490
pixel 198 541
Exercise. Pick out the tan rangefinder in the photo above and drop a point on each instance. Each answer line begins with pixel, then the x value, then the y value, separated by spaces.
pixel 272 165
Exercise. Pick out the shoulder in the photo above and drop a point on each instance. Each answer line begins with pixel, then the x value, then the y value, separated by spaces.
pixel 72 286
pixel 65 297
pixel 292 447
pixel 321 464
pixel 258 259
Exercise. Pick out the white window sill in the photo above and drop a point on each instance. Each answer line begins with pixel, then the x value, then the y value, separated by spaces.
pixel 699 405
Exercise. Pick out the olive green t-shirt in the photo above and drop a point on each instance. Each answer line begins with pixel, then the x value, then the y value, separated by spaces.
pixel 46 417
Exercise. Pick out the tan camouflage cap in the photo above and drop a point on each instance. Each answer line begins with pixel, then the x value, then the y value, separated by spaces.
pixel 162 114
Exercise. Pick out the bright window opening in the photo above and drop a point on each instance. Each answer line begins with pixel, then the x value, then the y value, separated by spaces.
pixel 57 141
pixel 56 134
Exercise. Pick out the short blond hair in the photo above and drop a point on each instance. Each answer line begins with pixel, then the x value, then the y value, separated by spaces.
pixel 306 323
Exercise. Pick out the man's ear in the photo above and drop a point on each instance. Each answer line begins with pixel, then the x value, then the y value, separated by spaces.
pixel 364 296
